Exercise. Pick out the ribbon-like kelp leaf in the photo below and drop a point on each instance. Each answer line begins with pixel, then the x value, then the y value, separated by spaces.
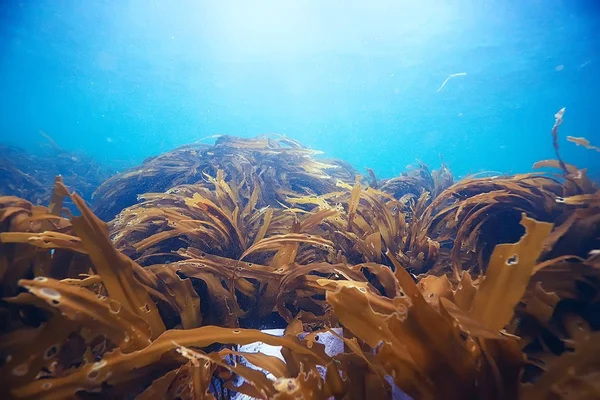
pixel 115 268
pixel 354 201
pixel 507 277
pixel 275 242
pixel 582 199
pixel 220 218
pixel 105 316
pixel 46 240
pixel 581 141
pixel 264 227
pixel 118 367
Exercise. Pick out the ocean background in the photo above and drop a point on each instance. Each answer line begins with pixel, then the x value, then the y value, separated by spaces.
pixel 124 80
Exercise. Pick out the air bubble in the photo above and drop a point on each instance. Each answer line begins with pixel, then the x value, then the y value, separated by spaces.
pixel 40 279
pixel 46 385
pixel 236 331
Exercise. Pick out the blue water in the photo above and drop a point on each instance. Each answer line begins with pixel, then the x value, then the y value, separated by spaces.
pixel 123 80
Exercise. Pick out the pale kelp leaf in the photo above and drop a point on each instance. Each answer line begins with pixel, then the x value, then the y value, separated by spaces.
pixel 507 276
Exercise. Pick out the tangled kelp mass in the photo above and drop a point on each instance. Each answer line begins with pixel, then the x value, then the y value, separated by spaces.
pixel 273 162
pixel 31 176
pixel 485 288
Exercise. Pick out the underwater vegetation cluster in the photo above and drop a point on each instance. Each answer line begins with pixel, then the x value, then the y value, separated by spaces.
pixel 31 176
pixel 485 288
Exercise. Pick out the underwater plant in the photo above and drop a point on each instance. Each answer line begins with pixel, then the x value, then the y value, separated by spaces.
pixel 31 176
pixel 483 288
pixel 273 161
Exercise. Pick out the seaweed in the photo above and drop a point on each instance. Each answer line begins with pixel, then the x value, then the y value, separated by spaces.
pixel 31 175
pixel 275 162
pixel 482 288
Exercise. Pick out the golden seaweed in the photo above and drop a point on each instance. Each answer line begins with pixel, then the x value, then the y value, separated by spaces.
pixel 483 288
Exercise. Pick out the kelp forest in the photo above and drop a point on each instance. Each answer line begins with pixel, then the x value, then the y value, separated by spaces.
pixel 483 288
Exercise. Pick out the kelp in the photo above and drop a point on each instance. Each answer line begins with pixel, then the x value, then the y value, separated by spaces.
pixel 30 175
pixel 277 163
pixel 483 288
pixel 581 141
pixel 412 182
